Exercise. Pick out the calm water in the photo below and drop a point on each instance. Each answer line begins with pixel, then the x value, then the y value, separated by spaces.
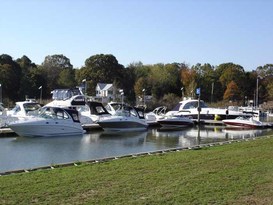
pixel 25 153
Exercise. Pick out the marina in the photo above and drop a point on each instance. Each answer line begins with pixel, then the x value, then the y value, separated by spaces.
pixel 44 139
pixel 24 153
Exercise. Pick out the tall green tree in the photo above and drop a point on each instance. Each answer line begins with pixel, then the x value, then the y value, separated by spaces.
pixel 165 79
pixel 206 81
pixel 52 67
pixel 28 86
pixel 67 78
pixel 264 75
pixel 10 75
pixel 250 85
pixel 265 70
pixel 101 69
pixel 269 88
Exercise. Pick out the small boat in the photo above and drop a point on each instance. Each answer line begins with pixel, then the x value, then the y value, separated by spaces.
pixel 155 115
pixel 24 109
pixel 243 121
pixel 51 121
pixel 21 110
pixel 175 121
pixel 126 118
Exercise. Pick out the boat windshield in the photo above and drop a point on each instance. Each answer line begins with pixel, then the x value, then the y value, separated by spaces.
pixel 31 107
pixel 194 104
pixel 189 105
pixel 176 108
pixel 53 113
pixel 243 117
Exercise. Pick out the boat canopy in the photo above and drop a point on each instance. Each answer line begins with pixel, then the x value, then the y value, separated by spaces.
pixel 191 104
pixel 97 108
pixel 59 113
pixel 64 94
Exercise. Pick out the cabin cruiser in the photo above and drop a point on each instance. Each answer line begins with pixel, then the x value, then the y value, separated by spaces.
pixel 51 121
pixel 155 115
pixel 243 121
pixel 24 108
pixel 189 108
pixel 89 111
pixel 21 110
pixel 72 98
pixel 123 118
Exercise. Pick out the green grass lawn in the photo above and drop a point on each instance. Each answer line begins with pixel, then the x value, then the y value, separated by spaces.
pixel 237 173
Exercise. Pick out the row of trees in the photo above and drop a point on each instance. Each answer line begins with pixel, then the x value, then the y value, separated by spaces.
pixel 168 82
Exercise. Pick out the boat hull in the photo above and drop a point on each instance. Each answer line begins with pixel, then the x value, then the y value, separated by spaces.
pixel 243 123
pixel 123 124
pixel 238 124
pixel 45 129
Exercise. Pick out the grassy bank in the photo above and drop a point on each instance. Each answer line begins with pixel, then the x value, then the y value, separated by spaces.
pixel 238 173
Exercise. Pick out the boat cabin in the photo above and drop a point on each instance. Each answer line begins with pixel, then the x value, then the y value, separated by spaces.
pixel 189 104
pixel 60 113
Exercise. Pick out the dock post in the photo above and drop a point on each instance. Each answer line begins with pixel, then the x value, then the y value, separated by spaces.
pixel 198 92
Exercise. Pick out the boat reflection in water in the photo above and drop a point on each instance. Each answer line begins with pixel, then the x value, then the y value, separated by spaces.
pixel 205 135
pixel 104 144
pixel 234 133
pixel 24 153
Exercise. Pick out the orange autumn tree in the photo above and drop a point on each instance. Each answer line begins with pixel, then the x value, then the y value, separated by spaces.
pixel 188 79
pixel 232 92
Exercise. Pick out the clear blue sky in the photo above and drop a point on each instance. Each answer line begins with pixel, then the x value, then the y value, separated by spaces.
pixel 150 31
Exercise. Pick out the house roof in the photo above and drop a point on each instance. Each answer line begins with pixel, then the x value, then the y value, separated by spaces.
pixel 104 86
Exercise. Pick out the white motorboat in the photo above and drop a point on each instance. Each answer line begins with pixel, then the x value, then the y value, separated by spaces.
pixel 126 118
pixel 189 108
pixel 21 110
pixel 72 98
pixel 155 115
pixel 175 121
pixel 51 121
pixel 243 121
pixel 114 107
pixel 89 111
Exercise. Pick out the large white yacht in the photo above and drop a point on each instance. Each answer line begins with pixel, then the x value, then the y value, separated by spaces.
pixel 189 108
pixel 51 121
pixel 89 111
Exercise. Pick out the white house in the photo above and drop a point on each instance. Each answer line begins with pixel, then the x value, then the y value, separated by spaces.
pixel 105 92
